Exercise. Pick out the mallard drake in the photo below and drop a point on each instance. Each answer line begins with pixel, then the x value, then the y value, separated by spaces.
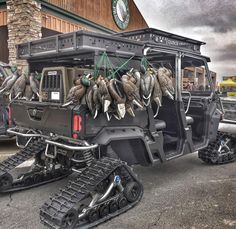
pixel 165 79
pixel 118 96
pixel 103 93
pixel 157 92
pixel 92 100
pixel 147 85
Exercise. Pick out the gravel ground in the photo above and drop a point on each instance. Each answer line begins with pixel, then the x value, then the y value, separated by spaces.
pixel 184 193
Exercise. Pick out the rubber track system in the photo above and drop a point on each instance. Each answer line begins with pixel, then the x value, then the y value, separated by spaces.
pixel 64 210
pixel 32 179
pixel 210 154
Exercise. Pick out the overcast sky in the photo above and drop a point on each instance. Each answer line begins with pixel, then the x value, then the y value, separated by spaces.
pixel 212 21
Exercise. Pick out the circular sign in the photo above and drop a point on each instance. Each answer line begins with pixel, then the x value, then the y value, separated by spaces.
pixel 121 14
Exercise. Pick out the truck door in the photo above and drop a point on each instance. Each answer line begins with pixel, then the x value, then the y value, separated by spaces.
pixel 177 133
pixel 200 99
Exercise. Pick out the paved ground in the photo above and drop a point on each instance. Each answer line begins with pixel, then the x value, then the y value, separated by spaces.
pixel 184 193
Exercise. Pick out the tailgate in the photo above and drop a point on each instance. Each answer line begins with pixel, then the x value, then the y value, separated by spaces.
pixel 42 116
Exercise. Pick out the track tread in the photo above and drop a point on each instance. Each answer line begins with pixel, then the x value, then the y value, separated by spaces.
pixel 210 155
pixel 53 211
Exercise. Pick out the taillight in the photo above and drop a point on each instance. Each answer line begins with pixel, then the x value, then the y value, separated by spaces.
pixel 77 125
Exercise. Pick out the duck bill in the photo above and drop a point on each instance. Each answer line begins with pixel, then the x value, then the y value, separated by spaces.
pixel 158 101
pixel 157 111
pixel 108 117
pixel 106 105
pixel 131 112
pixel 67 104
pixel 117 116
pixel 138 104
pixel 121 110
pixel 95 114
pixel 169 95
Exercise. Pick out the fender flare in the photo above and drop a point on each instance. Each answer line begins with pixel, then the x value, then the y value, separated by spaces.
pixel 110 134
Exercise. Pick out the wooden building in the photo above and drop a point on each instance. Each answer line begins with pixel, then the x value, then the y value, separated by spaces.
pixel 24 20
pixel 197 77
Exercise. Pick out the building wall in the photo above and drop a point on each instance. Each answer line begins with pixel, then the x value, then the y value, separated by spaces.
pixel 27 19
pixel 24 24
pixel 100 12
pixel 3 41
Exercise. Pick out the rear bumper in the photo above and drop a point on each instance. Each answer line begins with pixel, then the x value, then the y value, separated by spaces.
pixel 54 140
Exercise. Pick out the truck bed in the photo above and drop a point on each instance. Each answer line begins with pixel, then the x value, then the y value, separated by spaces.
pixel 53 118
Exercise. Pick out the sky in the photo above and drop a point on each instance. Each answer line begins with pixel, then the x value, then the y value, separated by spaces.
pixel 211 21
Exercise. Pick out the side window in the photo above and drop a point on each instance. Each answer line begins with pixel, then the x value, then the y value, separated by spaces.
pixel 194 76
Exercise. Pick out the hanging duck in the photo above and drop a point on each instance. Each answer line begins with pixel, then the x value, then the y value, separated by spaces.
pixel 131 86
pixel 9 82
pixel 116 91
pixel 103 93
pixel 147 85
pixel 77 92
pixel 18 88
pixel 34 84
pixel 165 79
pixel 92 100
pixel 157 92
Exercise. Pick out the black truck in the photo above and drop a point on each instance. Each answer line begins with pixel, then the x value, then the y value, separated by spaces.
pixel 100 147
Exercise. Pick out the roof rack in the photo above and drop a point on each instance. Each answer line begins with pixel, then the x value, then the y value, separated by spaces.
pixel 76 43
pixel 158 38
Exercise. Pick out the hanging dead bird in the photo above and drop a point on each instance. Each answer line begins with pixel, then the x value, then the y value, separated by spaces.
pixel 115 89
pixel 97 100
pixel 77 92
pixel 34 84
pixel 92 100
pixel 89 98
pixel 18 87
pixel 147 85
pixel 157 93
pixel 131 85
pixel 103 93
pixel 5 81
pixel 165 79
pixel 9 81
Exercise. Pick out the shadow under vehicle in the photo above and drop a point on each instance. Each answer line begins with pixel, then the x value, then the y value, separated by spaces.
pixel 67 138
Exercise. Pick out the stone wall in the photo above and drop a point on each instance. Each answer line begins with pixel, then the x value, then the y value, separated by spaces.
pixel 24 24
